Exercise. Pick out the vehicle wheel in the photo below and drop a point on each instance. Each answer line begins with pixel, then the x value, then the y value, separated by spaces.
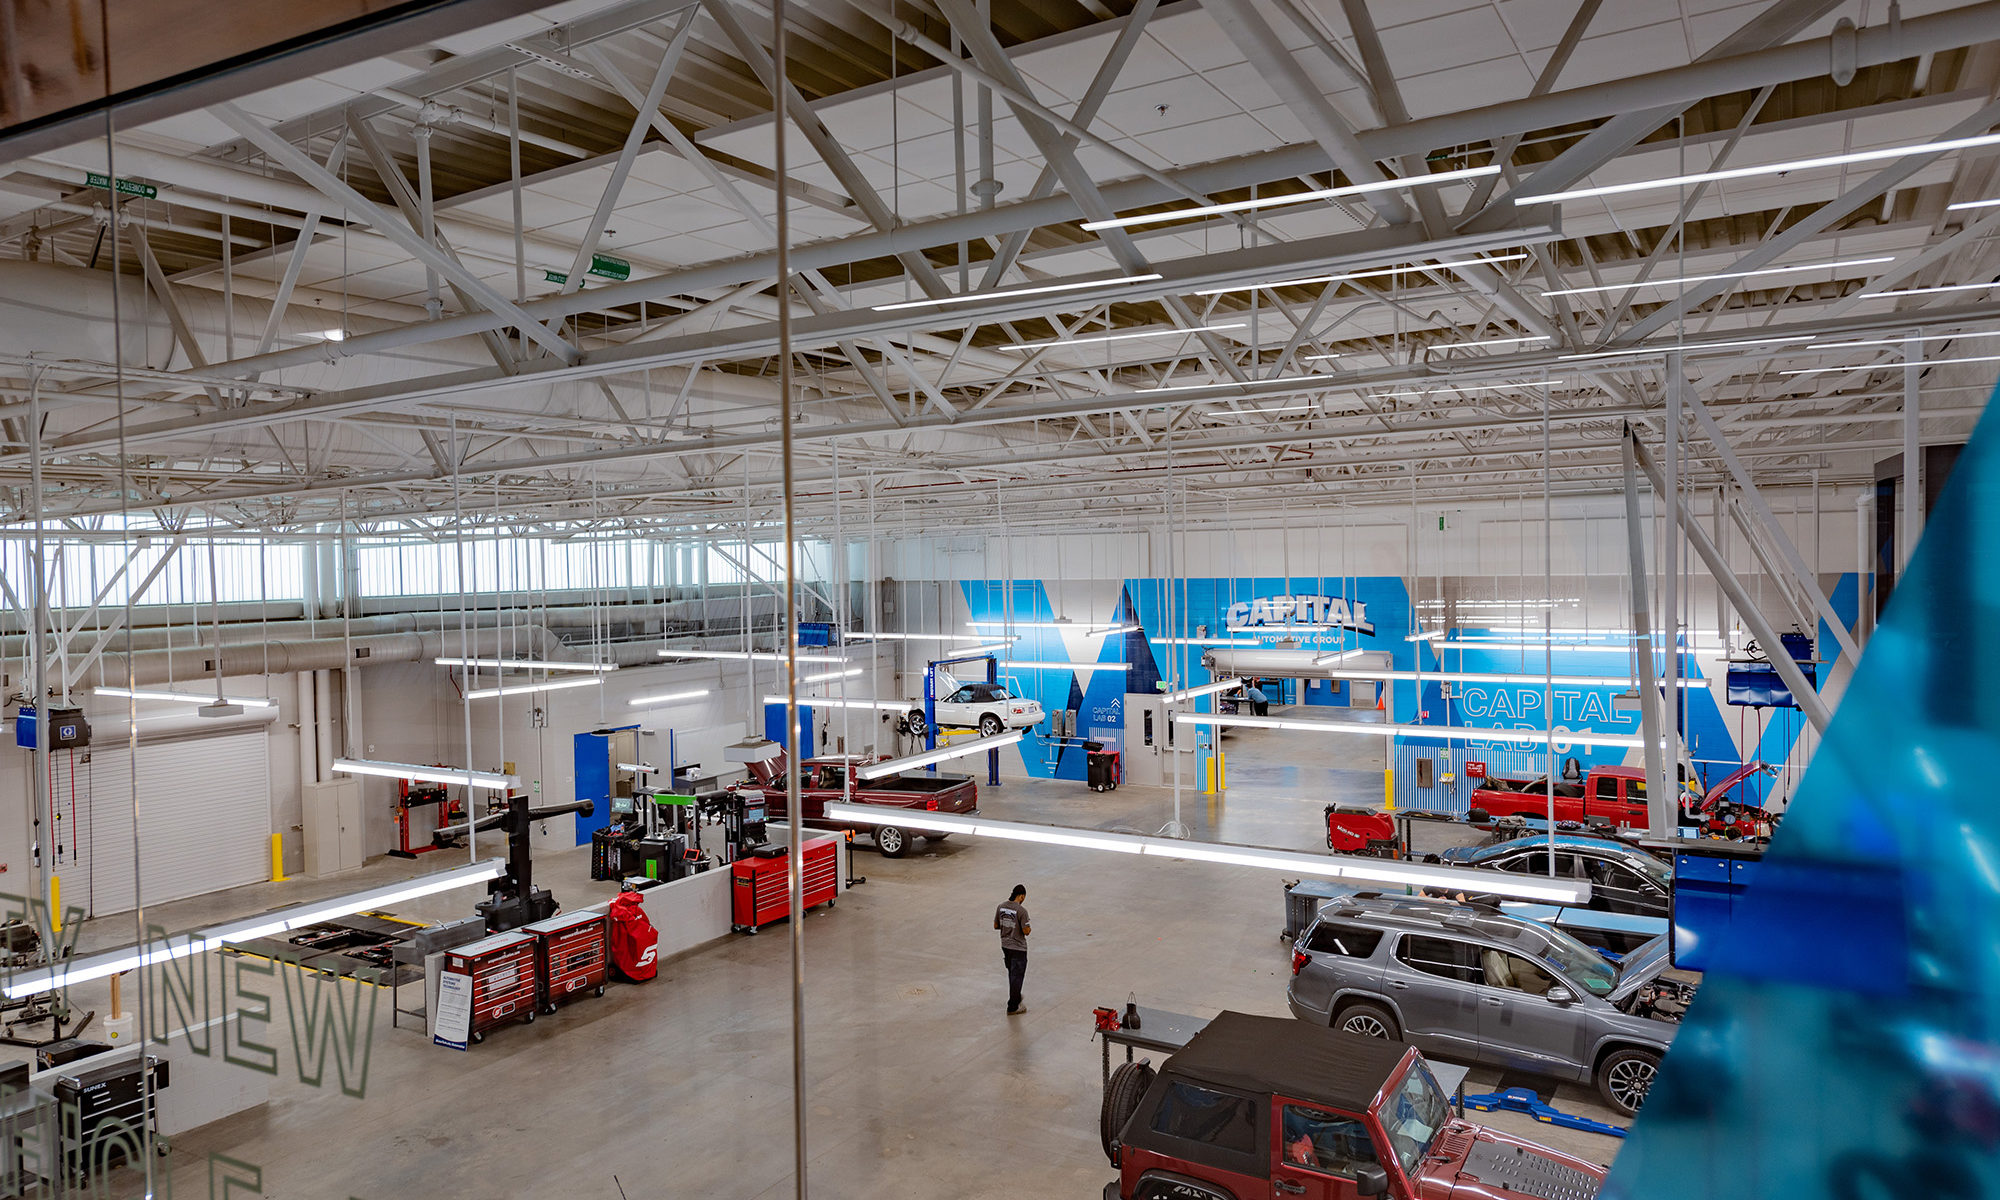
pixel 477 1038
pixel 989 726
pixel 530 1018
pixel 599 991
pixel 1122 1094
pixel 1624 1078
pixel 919 725
pixel 1368 1020
pixel 891 841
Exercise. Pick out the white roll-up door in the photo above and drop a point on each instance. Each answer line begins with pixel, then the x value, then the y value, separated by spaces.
pixel 204 812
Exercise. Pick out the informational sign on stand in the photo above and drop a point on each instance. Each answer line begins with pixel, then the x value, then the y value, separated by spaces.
pixel 454 1011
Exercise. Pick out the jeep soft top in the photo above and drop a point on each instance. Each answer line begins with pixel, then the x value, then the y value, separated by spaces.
pixel 1275 1054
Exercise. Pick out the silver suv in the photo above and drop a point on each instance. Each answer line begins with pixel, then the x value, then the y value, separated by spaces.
pixel 1466 982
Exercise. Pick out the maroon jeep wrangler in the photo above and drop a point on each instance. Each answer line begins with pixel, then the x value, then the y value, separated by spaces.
pixel 1261 1107
pixel 824 781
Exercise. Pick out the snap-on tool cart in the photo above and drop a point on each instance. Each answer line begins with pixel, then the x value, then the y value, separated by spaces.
pixel 505 981
pixel 573 951
pixel 114 1105
pixel 760 893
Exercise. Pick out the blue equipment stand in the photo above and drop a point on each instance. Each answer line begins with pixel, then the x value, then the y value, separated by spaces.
pixel 1521 1100
pixel 930 709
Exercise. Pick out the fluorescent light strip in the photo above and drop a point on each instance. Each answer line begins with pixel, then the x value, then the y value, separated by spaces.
pixel 492 781
pixel 523 664
pixel 1525 736
pixel 823 676
pixel 183 697
pixel 1646 351
pixel 113 962
pixel 523 689
pixel 666 697
pixel 927 637
pixel 831 702
pixel 1965 204
pixel 1933 290
pixel 753 656
pixel 1505 341
pixel 965 651
pixel 1338 656
pixel 1799 164
pixel 1214 641
pixel 1432 636
pixel 1476 387
pixel 1538 646
pixel 1489 260
pixel 1931 337
pixel 1083 625
pixel 1332 193
pixel 1195 387
pixel 1206 689
pixel 1063 666
pixel 931 757
pixel 1123 337
pixel 639 768
pixel 1680 279
pixel 1377 871
pixel 1107 630
pixel 1884 366
pixel 1497 677
pixel 1010 293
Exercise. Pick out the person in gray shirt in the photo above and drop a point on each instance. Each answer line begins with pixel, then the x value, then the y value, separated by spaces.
pixel 1011 919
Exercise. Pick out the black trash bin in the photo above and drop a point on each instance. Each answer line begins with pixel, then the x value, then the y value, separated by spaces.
pixel 1100 769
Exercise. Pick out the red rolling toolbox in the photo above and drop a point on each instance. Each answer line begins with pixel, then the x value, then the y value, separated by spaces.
pixel 761 894
pixel 573 950
pixel 506 980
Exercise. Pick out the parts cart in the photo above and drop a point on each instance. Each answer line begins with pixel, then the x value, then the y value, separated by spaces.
pixel 760 892
pixel 505 981
pixel 573 950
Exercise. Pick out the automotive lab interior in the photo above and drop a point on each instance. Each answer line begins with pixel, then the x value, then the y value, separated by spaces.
pixel 1126 599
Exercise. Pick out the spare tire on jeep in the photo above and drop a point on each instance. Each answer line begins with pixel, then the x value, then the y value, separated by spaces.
pixel 1122 1094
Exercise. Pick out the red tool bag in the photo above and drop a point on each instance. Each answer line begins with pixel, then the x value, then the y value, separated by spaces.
pixel 634 941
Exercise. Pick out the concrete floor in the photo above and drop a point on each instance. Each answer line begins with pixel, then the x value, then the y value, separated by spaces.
pixel 918 1084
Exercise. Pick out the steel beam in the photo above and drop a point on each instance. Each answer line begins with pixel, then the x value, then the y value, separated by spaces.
pixel 1807 698
pixel 1662 802
pixel 334 188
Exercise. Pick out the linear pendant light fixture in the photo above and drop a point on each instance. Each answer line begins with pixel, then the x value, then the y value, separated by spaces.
pixel 1780 168
pixel 182 697
pixel 1062 666
pixel 1894 364
pixel 1378 871
pixel 491 781
pixel 666 697
pixel 522 689
pixel 1206 689
pixel 929 757
pixel 1489 260
pixel 165 949
pixel 834 702
pixel 753 656
pixel 1332 193
pixel 522 664
pixel 1499 677
pixel 1384 729
pixel 1122 337
pixel 1010 293
pixel 1675 280
pixel 1897 341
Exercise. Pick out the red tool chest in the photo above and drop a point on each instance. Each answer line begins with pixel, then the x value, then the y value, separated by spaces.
pixel 573 950
pixel 761 894
pixel 505 979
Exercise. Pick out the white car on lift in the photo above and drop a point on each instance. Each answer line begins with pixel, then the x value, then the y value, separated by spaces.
pixel 988 707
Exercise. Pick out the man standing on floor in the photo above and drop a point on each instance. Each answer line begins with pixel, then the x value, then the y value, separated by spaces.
pixel 1011 919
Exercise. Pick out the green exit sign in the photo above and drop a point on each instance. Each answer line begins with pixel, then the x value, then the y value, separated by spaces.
pixel 128 187
pixel 600 264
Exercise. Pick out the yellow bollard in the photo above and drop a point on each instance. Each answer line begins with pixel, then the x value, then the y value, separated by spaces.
pixel 277 858
pixel 55 903
pixel 1389 789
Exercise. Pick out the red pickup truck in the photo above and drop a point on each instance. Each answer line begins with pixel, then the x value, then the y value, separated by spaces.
pixel 824 780
pixel 1610 795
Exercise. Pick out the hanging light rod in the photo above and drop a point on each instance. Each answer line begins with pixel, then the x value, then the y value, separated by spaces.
pixel 823 676
pixel 927 758
pixel 666 697
pixel 1889 366
pixel 753 656
pixel 183 697
pixel 1497 677
pixel 1063 666
pixel 1332 193
pixel 1932 290
pixel 1122 337
pixel 1210 641
pixel 1488 260
pixel 835 702
pixel 1010 293
pixel 1690 350
pixel 1675 280
pixel 1088 627
pixel 491 781
pixel 167 948
pixel 523 664
pixel 1501 341
pixel 1335 866
pixel 1206 689
pixel 1897 341
pixel 1475 387
pixel 1526 736
pixel 1338 656
pixel 523 689
pixel 934 637
pixel 1246 383
pixel 1779 168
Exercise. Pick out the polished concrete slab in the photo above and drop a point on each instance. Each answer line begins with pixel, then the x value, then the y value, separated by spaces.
pixel 917 1083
